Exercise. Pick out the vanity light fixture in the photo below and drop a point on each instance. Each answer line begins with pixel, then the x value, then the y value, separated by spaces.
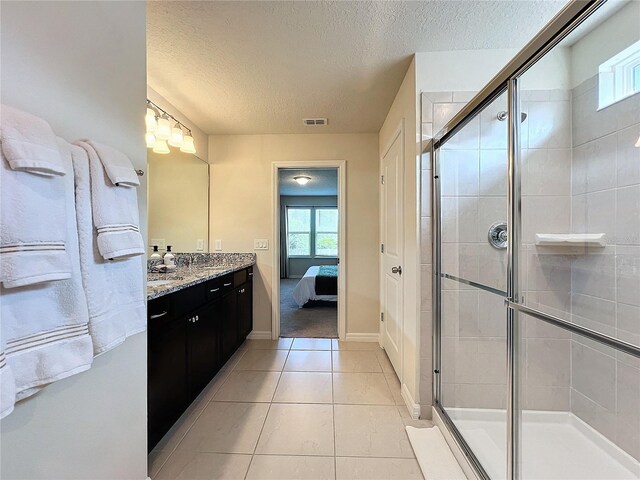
pixel 163 132
pixel 150 139
pixel 150 120
pixel 177 137
pixel 302 179
pixel 160 134
pixel 187 144
pixel 160 146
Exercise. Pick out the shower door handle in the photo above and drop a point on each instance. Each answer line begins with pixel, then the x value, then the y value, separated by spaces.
pixel 397 270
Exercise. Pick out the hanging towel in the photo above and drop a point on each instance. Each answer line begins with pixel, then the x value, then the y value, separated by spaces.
pixel 117 165
pixel 115 209
pixel 33 212
pixel 45 326
pixel 7 384
pixel 28 143
pixel 115 289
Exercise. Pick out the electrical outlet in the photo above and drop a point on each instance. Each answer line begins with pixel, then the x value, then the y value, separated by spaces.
pixel 218 246
pixel 161 242
pixel 199 245
pixel 261 244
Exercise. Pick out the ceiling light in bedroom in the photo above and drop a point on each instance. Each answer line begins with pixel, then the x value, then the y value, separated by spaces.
pixel 302 179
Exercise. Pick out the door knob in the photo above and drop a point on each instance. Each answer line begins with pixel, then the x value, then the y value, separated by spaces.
pixel 397 270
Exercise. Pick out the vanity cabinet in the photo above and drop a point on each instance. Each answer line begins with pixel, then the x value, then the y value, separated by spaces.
pixel 191 334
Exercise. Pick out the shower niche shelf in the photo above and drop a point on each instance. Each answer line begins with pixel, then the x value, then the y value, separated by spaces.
pixel 570 239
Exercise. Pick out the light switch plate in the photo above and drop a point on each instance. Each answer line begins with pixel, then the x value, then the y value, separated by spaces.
pixel 161 242
pixel 200 245
pixel 261 244
pixel 218 246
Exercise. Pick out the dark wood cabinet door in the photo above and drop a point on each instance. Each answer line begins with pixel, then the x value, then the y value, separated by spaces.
pixel 244 314
pixel 226 312
pixel 203 347
pixel 167 376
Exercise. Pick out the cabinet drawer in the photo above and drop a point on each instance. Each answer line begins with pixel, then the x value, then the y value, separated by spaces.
pixel 219 286
pixel 158 311
pixel 240 277
pixel 188 299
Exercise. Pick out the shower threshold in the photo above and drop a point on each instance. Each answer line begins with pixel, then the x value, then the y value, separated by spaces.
pixel 555 446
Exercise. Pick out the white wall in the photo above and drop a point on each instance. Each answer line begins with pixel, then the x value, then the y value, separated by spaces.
pixel 609 38
pixel 459 70
pixel 82 67
pixel 242 204
pixel 404 110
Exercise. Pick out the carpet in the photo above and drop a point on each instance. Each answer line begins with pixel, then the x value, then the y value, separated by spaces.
pixel 314 320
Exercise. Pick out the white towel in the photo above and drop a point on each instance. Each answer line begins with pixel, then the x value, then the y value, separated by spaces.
pixel 7 385
pixel 115 289
pixel 28 143
pixel 115 210
pixel 33 211
pixel 117 165
pixel 45 326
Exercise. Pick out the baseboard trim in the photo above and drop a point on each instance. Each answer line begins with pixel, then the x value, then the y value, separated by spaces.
pixel 260 335
pixel 362 337
pixel 414 408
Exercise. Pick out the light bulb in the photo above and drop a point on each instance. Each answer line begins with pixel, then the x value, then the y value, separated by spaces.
pixel 302 179
pixel 188 146
pixel 160 146
pixel 150 139
pixel 150 121
pixel 163 132
pixel 177 138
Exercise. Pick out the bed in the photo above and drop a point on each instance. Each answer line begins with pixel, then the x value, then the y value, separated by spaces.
pixel 318 283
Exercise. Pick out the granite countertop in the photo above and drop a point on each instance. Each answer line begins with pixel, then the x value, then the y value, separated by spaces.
pixel 192 272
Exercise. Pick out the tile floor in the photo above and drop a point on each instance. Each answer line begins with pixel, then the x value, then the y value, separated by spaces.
pixel 303 408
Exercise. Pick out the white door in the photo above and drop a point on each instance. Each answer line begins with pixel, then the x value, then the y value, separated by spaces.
pixel 391 251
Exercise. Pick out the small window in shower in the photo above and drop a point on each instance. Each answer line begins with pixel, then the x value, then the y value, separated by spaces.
pixel 619 77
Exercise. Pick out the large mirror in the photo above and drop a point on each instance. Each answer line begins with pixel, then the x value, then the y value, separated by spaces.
pixel 178 202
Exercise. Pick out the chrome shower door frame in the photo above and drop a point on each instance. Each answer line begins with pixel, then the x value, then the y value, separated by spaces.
pixel 572 15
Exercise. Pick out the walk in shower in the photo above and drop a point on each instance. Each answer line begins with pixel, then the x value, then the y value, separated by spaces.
pixel 536 207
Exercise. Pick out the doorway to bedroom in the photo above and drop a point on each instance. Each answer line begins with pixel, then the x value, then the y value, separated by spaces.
pixel 309 260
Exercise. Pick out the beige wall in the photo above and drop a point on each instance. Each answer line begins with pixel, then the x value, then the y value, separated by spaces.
pixel 242 210
pixel 178 200
pixel 404 110
pixel 91 425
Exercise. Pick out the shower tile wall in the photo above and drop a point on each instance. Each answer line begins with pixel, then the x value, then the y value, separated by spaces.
pixel 545 352
pixel 605 283
pixel 473 198
pixel 580 174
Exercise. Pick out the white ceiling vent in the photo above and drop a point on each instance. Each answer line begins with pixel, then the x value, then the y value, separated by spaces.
pixel 314 122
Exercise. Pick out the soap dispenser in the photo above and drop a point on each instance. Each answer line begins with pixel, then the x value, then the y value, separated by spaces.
pixel 169 258
pixel 155 255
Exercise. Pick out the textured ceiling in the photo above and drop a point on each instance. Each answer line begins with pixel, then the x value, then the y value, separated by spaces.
pixel 260 67
pixel 323 182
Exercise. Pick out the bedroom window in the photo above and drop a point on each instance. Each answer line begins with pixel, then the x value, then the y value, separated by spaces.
pixel 326 244
pixel 299 232
pixel 312 232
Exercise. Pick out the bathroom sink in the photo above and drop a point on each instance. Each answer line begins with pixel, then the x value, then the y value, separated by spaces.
pixel 158 283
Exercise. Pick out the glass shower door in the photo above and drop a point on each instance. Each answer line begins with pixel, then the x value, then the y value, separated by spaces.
pixel 473 187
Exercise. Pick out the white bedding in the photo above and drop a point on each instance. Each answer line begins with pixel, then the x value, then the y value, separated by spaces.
pixel 306 288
